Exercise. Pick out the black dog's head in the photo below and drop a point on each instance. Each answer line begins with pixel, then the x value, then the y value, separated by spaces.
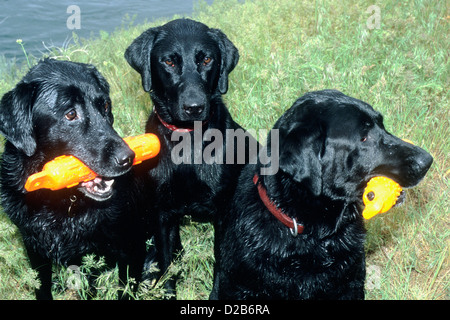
pixel 334 144
pixel 183 64
pixel 63 108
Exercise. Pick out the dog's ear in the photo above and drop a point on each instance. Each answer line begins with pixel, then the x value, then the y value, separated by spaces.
pixel 138 56
pixel 300 155
pixel 229 60
pixel 16 117
pixel 103 84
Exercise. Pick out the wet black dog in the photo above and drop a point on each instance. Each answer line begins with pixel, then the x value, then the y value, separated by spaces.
pixel 299 234
pixel 184 66
pixel 63 108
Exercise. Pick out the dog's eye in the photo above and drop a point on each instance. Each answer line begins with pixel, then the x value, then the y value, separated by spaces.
pixel 169 63
pixel 206 61
pixel 71 115
pixel 107 106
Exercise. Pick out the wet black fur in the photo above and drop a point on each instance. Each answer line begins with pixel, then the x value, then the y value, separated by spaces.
pixel 33 120
pixel 330 146
pixel 184 66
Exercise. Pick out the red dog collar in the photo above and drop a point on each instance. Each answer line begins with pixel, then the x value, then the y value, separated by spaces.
pixel 171 126
pixel 278 213
pixel 175 128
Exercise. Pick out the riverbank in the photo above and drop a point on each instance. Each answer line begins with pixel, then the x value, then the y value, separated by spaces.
pixel 397 62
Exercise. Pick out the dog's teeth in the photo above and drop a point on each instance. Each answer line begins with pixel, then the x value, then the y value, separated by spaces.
pixel 98 186
pixel 109 183
pixel 98 180
pixel 87 184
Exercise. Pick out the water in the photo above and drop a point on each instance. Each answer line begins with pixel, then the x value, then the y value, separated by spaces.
pixel 43 23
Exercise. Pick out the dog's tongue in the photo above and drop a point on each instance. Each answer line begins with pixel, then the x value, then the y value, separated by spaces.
pixel 98 185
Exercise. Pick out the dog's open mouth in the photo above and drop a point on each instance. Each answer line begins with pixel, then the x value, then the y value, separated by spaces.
pixel 401 198
pixel 380 195
pixel 99 189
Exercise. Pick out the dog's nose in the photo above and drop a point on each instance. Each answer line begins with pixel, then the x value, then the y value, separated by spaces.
pixel 193 109
pixel 423 162
pixel 125 159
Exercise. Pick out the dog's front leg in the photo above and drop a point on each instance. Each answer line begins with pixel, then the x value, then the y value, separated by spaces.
pixel 131 268
pixel 43 266
pixel 168 242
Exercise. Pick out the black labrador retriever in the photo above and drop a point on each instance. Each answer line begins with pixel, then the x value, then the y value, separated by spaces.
pixel 63 108
pixel 184 66
pixel 299 233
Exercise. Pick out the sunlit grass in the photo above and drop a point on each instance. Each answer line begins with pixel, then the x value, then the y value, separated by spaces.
pixel 286 49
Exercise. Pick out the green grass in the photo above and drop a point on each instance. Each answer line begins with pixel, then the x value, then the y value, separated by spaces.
pixel 288 48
